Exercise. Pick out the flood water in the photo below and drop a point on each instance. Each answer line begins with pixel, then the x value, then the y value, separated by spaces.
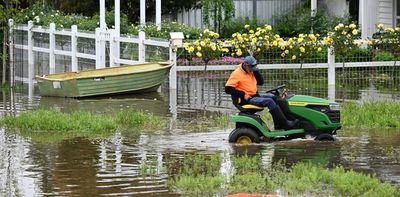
pixel 35 165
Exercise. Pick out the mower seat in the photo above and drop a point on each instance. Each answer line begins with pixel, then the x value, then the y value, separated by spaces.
pixel 245 108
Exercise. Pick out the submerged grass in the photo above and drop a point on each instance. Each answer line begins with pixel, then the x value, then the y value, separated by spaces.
pixel 251 176
pixel 53 120
pixel 371 114
pixel 365 115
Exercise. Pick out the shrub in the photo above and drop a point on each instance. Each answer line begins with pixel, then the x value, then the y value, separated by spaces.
pixel 384 56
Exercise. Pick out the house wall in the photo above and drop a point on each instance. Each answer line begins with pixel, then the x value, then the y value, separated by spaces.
pixel 386 12
pixel 265 11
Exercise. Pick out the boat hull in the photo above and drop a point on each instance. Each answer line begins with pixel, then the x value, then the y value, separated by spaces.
pixel 106 81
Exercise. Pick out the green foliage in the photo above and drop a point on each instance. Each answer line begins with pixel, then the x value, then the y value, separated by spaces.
pixel 204 185
pixel 250 176
pixel 52 120
pixel 217 11
pixel 43 15
pixel 371 114
pixel 384 56
pixel 342 39
pixel 236 26
pixel 299 21
pixel 314 180
pixel 133 118
pixel 152 30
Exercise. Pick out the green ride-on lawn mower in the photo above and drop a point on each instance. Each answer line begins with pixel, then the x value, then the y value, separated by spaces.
pixel 317 117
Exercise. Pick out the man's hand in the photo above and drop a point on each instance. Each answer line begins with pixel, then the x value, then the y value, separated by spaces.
pixel 247 97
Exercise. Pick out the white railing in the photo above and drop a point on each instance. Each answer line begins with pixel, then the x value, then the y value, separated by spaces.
pixel 101 36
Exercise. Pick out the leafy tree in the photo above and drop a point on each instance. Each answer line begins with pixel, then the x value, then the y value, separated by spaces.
pixel 219 12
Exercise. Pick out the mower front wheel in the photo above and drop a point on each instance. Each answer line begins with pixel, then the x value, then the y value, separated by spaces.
pixel 244 135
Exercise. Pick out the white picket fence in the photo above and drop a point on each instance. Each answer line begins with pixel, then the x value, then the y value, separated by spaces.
pixel 100 36
pixel 114 57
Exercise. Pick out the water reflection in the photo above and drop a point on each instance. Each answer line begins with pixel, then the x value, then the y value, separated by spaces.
pixel 114 165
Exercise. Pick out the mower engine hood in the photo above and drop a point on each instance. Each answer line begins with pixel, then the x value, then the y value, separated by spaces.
pixel 302 101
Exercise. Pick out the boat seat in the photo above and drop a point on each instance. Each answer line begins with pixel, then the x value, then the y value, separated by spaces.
pixel 245 108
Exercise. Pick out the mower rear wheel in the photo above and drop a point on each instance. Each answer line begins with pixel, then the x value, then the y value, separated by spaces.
pixel 244 136
pixel 325 137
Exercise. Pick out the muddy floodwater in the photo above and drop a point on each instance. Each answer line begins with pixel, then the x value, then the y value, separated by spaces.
pixel 34 165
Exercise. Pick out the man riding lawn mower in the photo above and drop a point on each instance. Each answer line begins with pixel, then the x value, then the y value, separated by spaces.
pixel 293 115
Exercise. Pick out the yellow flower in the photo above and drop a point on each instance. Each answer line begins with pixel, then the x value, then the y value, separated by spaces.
pixel 275 43
pixel 283 54
pixel 216 35
pixel 257 33
pixel 191 49
pixel 370 42
pixel 302 49
pixel 212 33
pixel 290 47
pixel 341 25
pixel 206 31
pixel 287 51
pixel 300 40
pixel 319 49
pixel 301 35
pixel 202 43
pixel 258 50
pixel 254 40
pixel 282 47
pixel 389 29
pixel 294 57
pixel 380 26
pixel 251 31
pixel 312 37
pixel 234 35
pixel 247 26
pixel 198 48
pixel 354 32
pixel 353 26
pixel 327 40
pixel 213 47
pixel 239 52
pixel 344 33
pixel 198 54
pixel 186 45
pixel 337 28
pixel 269 27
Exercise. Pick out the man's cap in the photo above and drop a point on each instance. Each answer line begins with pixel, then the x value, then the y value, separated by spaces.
pixel 250 60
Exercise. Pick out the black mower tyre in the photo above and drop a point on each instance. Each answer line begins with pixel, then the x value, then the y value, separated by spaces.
pixel 244 134
pixel 325 137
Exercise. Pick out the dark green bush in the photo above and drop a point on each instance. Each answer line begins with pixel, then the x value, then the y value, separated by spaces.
pixel 237 25
pixel 384 56
pixel 299 20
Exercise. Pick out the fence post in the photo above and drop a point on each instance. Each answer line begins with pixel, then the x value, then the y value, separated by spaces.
pixel 331 74
pixel 172 72
pixel 100 49
pixel 112 48
pixel 142 47
pixel 52 46
pixel 30 60
pixel 11 48
pixel 74 45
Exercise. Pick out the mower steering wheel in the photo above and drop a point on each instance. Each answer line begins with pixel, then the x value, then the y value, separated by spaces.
pixel 276 91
